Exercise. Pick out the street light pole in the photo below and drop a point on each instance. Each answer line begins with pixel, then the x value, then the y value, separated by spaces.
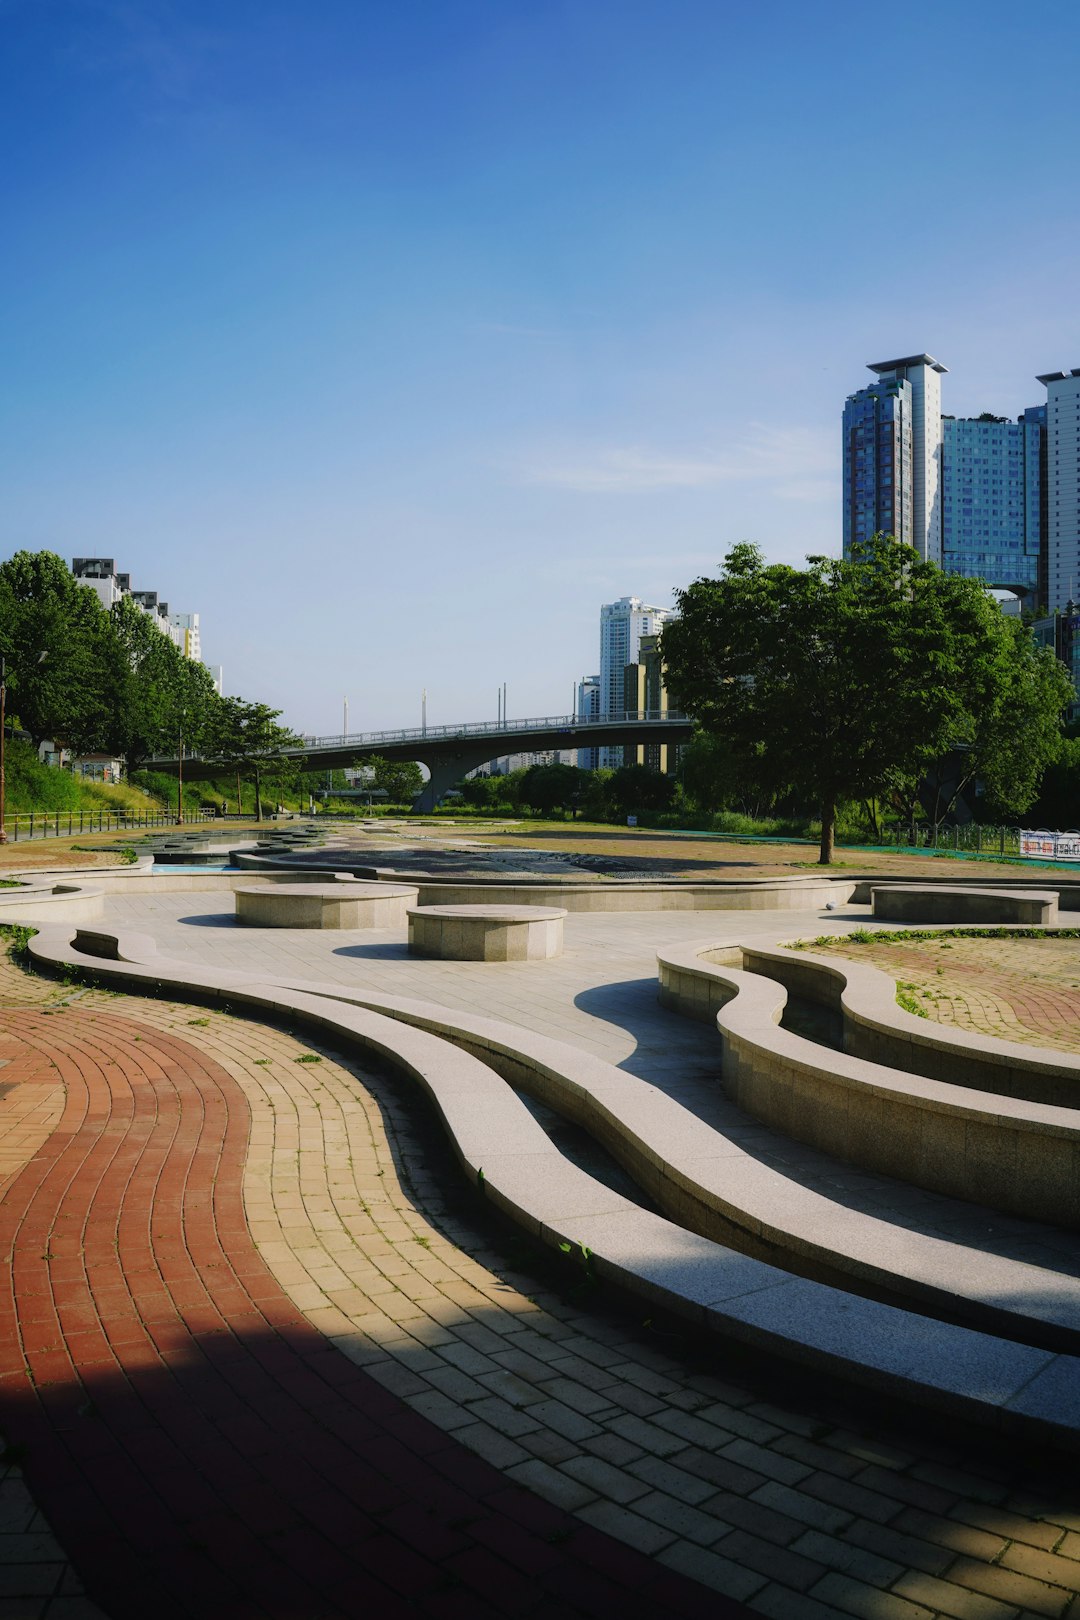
pixel 180 772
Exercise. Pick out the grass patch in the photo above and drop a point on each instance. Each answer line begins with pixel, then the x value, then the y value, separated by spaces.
pixel 900 936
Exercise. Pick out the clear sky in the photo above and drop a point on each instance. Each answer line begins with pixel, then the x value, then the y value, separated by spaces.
pixel 394 336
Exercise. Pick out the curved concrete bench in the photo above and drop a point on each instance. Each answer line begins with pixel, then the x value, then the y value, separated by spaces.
pixel 707 1182
pixel 876 1027
pixel 936 903
pixel 486 933
pixel 1019 1389
pixel 599 894
pixel 1017 1156
pixel 324 905
pixel 37 901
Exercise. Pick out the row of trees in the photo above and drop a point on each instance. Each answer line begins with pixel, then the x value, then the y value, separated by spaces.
pixel 109 681
pixel 878 679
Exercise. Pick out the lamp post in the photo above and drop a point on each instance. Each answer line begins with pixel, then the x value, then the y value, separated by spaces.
pixel 41 657
pixel 180 772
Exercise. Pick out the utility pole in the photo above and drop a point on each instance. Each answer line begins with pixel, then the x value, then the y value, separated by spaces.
pixel 423 711
pixel 345 722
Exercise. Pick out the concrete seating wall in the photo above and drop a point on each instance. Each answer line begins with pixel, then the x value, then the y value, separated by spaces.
pixel 1017 1156
pixel 709 1184
pixel 938 903
pixel 877 1028
pixel 1017 1388
pixel 36 901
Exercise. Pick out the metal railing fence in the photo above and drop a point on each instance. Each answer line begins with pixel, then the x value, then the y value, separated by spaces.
pixel 68 823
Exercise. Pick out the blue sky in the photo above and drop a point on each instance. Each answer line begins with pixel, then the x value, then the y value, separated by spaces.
pixel 394 336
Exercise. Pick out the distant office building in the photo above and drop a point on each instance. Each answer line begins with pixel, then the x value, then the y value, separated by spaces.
pixel 1062 486
pixel 588 708
pixel 993 505
pixel 892 456
pixel 622 625
pixel 1061 631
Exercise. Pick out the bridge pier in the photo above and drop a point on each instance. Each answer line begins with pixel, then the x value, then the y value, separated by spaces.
pixel 446 772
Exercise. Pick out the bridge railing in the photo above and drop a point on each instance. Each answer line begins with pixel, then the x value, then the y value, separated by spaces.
pixel 493 728
pixel 475 728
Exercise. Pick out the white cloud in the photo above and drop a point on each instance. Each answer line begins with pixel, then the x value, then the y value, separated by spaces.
pixel 779 455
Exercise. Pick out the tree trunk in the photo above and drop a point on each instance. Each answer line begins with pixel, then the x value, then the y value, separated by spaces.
pixel 258 797
pixel 828 829
pixel 239 797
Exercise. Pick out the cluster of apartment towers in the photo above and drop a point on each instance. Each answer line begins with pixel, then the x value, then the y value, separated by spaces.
pixel 981 496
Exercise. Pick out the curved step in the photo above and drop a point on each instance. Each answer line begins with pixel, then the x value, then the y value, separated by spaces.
pixel 878 1028
pixel 1015 1155
pixel 1012 1386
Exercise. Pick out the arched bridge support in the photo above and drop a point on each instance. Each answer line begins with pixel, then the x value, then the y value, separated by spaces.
pixel 446 771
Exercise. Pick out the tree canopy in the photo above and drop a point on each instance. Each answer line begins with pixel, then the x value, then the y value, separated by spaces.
pixel 848 678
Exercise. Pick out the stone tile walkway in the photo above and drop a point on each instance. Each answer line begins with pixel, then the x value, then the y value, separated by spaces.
pixel 779 1498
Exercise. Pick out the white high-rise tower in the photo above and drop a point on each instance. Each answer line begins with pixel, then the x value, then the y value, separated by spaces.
pixel 622 625
pixel 1062 486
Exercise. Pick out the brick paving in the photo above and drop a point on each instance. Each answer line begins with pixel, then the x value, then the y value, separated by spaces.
pixel 199 1446
pixel 1018 989
pixel 342 1216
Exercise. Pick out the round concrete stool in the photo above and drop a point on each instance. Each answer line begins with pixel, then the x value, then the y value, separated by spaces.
pixel 486 933
pixel 325 905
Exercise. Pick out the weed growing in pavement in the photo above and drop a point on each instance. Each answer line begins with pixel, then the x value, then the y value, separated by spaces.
pixel 19 936
pixel 199 1023
pixel 308 1057
pixel 907 998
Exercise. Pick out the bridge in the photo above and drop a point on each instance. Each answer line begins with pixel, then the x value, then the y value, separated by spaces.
pixel 451 752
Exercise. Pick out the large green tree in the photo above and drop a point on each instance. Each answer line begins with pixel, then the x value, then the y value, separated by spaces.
pixel 400 779
pixel 53 638
pixel 844 677
pixel 247 739
pixel 553 787
pixel 156 695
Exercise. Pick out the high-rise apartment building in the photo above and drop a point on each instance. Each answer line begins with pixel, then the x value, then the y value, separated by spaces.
pixel 622 625
pixel 877 463
pixel 182 629
pixel 993 500
pixel 892 456
pixel 588 708
pixel 1062 486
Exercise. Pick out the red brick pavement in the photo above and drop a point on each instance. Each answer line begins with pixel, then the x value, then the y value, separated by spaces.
pixel 198 1447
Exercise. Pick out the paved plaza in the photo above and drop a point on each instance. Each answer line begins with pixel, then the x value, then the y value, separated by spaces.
pixel 264 1354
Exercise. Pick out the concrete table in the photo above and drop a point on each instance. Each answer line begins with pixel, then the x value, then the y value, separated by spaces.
pixel 324 905
pixel 486 933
